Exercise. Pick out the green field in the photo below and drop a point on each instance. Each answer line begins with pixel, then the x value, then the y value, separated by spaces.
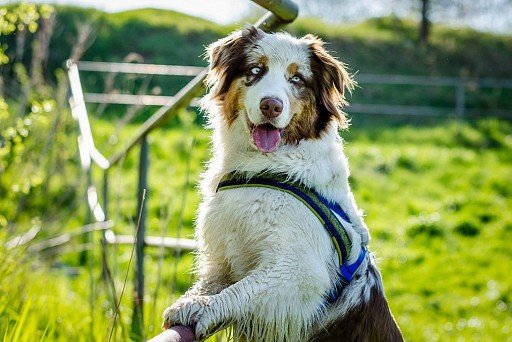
pixel 437 200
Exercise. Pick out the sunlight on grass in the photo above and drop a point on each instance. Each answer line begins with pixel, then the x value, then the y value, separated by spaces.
pixel 437 200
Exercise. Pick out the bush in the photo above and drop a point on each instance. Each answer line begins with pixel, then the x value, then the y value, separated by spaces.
pixel 427 225
pixel 35 128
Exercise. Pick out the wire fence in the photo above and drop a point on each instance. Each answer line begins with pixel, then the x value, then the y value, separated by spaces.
pixel 459 86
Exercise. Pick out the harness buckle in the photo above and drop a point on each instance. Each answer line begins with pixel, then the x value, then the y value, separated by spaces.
pixel 345 275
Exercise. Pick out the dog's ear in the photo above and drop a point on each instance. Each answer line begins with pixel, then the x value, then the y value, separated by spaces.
pixel 331 81
pixel 227 59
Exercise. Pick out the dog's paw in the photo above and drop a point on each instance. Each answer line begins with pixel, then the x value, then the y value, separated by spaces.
pixel 194 312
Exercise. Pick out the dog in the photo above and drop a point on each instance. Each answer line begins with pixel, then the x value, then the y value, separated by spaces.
pixel 267 265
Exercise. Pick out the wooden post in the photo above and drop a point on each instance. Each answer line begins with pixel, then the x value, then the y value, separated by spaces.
pixel 138 286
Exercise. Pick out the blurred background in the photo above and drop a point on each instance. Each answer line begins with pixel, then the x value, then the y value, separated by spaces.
pixel 430 147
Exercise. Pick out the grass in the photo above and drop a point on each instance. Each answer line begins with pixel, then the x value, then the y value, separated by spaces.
pixel 437 197
pixel 437 201
pixel 42 303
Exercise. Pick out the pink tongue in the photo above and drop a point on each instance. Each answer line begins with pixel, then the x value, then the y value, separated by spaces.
pixel 266 139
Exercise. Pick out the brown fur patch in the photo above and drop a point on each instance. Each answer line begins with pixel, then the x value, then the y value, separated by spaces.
pixel 228 60
pixel 368 322
pixel 303 124
pixel 321 100
pixel 233 101
pixel 329 83
pixel 263 60
pixel 228 63
pixel 292 69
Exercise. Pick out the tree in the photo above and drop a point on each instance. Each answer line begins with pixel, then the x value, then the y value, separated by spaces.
pixel 463 13
pixel 491 15
pixel 425 22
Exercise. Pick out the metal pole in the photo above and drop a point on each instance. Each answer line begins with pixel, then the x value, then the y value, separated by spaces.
pixel 138 294
pixel 285 10
pixel 104 254
pixel 178 333
pixel 105 193
pixel 88 218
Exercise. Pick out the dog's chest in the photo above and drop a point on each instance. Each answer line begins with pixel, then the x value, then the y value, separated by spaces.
pixel 251 226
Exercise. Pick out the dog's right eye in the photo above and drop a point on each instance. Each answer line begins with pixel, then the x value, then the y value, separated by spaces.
pixel 256 71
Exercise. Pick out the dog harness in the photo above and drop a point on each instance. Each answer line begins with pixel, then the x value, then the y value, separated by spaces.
pixel 332 217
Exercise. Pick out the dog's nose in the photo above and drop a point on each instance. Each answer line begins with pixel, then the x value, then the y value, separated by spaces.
pixel 271 107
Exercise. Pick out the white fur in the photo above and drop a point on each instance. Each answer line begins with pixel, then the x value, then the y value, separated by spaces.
pixel 281 50
pixel 265 261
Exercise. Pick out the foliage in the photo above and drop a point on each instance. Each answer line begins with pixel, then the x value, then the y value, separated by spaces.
pixel 489 15
pixel 33 127
pixel 30 166
pixel 363 46
pixel 39 303
pixel 19 18
pixel 18 178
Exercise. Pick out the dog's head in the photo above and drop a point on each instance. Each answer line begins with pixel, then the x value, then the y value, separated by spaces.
pixel 283 88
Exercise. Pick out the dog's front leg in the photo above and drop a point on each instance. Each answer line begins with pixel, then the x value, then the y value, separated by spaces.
pixel 208 313
pixel 212 280
pixel 207 286
pixel 272 294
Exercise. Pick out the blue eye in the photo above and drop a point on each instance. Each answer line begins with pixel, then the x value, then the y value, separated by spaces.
pixel 296 79
pixel 256 70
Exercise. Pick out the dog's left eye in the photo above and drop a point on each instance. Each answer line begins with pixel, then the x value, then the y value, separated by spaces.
pixel 256 70
pixel 296 79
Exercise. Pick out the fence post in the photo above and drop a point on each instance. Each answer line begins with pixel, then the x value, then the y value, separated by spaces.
pixel 138 288
pixel 86 238
pixel 104 271
pixel 460 98
pixel 105 193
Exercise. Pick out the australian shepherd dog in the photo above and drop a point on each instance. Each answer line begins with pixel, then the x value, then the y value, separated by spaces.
pixel 266 263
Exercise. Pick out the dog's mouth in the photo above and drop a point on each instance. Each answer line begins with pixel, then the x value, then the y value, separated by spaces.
pixel 266 136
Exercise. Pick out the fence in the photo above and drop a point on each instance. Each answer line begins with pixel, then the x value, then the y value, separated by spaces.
pixel 279 13
pixel 459 84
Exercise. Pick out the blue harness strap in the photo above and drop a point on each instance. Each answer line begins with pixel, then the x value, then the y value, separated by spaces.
pixel 327 213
